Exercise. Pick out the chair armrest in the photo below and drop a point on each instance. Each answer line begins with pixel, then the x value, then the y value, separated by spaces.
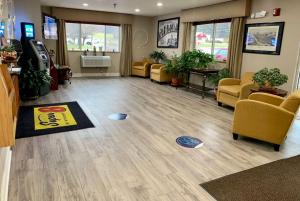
pixel 156 66
pixel 229 81
pixel 267 98
pixel 261 120
pixel 147 66
pixel 246 90
pixel 138 63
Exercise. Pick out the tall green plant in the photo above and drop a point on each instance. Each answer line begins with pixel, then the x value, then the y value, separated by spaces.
pixel 270 77
pixel 158 56
pixel 195 59
pixel 173 67
pixel 32 80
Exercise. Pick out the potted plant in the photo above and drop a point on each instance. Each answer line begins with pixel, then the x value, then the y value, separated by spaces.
pixel 223 73
pixel 158 56
pixel 267 79
pixel 173 68
pixel 8 54
pixel 200 59
pixel 31 81
pixel 194 59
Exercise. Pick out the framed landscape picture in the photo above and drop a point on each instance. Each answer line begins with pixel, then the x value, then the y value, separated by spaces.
pixel 168 33
pixel 263 38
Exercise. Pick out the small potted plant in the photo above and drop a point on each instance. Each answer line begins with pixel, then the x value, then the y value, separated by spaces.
pixel 31 81
pixel 194 59
pixel 223 73
pixel 8 54
pixel 268 79
pixel 173 68
pixel 158 56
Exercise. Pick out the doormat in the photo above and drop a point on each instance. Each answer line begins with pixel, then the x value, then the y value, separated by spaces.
pixel 189 142
pixel 276 181
pixel 37 120
pixel 118 116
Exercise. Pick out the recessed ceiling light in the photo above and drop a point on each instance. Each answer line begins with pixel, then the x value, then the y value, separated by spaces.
pixel 159 4
pixel 137 10
pixel 85 4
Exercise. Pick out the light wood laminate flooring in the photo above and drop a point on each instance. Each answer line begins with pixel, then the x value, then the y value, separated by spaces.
pixel 137 159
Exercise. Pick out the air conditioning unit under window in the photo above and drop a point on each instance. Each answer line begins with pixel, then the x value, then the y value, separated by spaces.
pixel 95 61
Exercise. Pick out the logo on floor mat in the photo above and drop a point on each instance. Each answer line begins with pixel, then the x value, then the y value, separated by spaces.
pixel 53 117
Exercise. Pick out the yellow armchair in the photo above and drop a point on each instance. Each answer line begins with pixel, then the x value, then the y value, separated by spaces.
pixel 265 117
pixel 141 68
pixel 231 90
pixel 159 74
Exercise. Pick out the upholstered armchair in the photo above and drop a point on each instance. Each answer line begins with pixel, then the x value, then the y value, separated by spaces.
pixel 159 74
pixel 231 90
pixel 141 68
pixel 265 117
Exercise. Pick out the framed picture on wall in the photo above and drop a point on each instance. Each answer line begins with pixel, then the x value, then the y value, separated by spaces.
pixel 263 38
pixel 168 33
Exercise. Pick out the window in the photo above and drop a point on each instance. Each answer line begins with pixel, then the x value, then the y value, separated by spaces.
pixel 213 39
pixel 87 36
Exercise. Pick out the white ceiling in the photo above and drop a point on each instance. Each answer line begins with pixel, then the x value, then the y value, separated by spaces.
pixel 147 7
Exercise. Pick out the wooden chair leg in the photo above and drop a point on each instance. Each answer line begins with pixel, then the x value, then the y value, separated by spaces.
pixel 276 147
pixel 235 136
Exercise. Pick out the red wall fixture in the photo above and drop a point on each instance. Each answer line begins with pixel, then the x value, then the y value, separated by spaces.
pixel 276 11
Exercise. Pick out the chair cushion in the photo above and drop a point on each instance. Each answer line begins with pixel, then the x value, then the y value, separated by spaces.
pixel 233 90
pixel 156 71
pixel 139 67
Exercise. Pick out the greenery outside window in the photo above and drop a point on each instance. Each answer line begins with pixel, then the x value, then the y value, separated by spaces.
pixel 213 38
pixel 81 37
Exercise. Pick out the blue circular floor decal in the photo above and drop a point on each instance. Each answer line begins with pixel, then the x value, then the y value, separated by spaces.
pixel 189 142
pixel 118 116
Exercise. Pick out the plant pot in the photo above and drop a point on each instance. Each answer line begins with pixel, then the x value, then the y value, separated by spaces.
pixel 30 94
pixel 267 89
pixel 175 82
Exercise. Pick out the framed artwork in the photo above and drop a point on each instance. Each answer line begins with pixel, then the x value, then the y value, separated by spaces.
pixel 168 33
pixel 263 38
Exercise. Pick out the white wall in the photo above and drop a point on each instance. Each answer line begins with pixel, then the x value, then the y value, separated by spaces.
pixel 28 11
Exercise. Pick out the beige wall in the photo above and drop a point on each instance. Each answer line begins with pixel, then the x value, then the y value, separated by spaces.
pixel 28 11
pixel 142 36
pixel 287 61
pixel 236 8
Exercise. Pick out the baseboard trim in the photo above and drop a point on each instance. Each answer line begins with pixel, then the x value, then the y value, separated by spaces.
pixel 6 172
pixel 96 74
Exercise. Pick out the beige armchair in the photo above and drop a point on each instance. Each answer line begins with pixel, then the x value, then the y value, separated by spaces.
pixel 159 74
pixel 141 69
pixel 231 90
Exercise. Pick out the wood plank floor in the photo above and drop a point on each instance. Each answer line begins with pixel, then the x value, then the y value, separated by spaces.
pixel 137 159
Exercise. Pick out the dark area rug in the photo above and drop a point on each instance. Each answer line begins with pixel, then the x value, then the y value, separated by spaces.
pixel 36 120
pixel 276 181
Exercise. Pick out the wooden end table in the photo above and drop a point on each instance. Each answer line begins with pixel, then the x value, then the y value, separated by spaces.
pixel 204 73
